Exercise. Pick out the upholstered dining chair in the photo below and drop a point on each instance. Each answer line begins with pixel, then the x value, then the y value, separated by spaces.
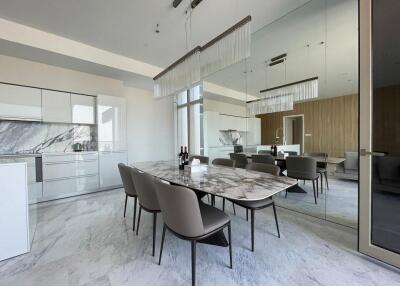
pixel 303 168
pixel 263 158
pixel 188 219
pixel 262 204
pixel 203 159
pixel 321 167
pixel 240 160
pixel 226 163
pixel 129 188
pixel 146 191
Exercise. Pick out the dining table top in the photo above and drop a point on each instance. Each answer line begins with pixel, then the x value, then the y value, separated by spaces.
pixel 329 160
pixel 226 182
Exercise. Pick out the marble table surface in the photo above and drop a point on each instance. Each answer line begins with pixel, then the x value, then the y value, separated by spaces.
pixel 230 183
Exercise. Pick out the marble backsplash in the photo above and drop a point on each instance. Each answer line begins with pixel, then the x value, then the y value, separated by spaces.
pixel 36 137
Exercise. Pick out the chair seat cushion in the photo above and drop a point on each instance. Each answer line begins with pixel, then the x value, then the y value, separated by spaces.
pixel 213 218
pixel 255 204
pixel 321 170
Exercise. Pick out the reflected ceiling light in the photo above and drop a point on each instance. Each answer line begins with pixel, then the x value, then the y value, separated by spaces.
pixel 281 98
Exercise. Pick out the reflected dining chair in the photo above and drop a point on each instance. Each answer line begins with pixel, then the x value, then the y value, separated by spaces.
pixel 321 167
pixel 261 204
pixel 129 188
pixel 263 158
pixel 225 163
pixel 303 168
pixel 203 159
pixel 240 160
pixel 146 190
pixel 189 219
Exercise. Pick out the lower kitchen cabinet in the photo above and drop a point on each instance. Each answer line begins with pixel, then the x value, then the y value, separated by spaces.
pixel 108 168
pixel 66 187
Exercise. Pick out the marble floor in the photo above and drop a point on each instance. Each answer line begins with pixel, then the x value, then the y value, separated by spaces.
pixel 86 241
pixel 339 204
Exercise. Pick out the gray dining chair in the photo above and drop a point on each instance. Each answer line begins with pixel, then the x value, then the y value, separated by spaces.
pixel 263 158
pixel 321 167
pixel 303 168
pixel 203 159
pixel 259 204
pixel 226 163
pixel 129 188
pixel 188 219
pixel 146 191
pixel 240 160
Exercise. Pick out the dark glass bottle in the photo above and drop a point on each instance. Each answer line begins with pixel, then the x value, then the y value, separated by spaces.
pixel 181 159
pixel 186 156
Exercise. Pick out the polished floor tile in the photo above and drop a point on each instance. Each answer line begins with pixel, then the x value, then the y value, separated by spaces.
pixel 86 241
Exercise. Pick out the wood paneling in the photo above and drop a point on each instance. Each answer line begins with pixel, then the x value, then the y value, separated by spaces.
pixel 386 123
pixel 332 124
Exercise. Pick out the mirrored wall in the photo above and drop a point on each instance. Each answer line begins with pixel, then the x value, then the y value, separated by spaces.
pixel 318 41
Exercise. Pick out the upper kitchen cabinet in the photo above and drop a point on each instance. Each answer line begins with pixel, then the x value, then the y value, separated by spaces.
pixel 111 123
pixel 20 102
pixel 83 107
pixel 56 106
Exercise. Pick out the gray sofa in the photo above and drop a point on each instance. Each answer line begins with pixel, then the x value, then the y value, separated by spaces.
pixel 349 168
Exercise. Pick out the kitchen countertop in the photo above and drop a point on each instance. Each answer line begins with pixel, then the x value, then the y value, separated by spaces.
pixel 28 155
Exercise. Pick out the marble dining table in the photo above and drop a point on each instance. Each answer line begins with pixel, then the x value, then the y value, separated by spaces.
pixel 226 182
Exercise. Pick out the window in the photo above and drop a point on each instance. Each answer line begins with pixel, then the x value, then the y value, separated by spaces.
pixel 190 120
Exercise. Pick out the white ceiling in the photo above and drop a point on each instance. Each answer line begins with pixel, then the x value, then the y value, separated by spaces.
pixel 126 27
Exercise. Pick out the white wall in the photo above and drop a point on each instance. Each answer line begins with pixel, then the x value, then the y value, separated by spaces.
pixel 150 126
pixel 150 122
pixel 224 107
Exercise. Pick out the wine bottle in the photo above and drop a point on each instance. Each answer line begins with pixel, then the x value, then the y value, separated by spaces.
pixel 186 156
pixel 181 159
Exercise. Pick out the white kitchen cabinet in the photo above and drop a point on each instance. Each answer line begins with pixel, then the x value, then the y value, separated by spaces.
pixel 108 168
pixel 212 128
pixel 111 123
pixel 20 103
pixel 83 109
pixel 14 217
pixel 56 106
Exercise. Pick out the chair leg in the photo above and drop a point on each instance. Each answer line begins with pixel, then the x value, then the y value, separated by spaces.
pixel 208 198
pixel 252 230
pixel 162 243
pixel 134 214
pixel 315 196
pixel 304 182
pixel 193 262
pixel 234 210
pixel 322 178
pixel 126 200
pixel 230 245
pixel 276 219
pixel 286 194
pixel 247 214
pixel 223 204
pixel 138 222
pixel 154 232
pixel 326 180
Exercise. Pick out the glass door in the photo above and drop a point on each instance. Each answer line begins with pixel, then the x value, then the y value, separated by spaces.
pixel 380 130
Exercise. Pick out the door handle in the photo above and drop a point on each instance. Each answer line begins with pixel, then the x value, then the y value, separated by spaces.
pixel 364 152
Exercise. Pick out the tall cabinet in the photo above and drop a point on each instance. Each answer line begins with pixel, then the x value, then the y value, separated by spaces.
pixel 111 122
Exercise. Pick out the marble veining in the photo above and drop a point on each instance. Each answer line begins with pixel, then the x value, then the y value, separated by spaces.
pixel 231 183
pixel 18 137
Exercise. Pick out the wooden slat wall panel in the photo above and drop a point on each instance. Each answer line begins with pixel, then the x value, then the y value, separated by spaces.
pixel 332 122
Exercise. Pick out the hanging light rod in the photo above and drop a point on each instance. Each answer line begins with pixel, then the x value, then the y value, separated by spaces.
pixel 227 32
pixel 209 44
pixel 176 3
pixel 195 3
pixel 282 86
pixel 196 49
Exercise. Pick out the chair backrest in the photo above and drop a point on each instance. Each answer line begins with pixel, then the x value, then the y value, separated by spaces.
pixel 127 182
pixel 351 162
pixel 304 168
pixel 180 209
pixel 240 159
pixel 266 168
pixel 223 162
pixel 146 190
pixel 318 154
pixel 263 158
pixel 265 152
pixel 203 159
